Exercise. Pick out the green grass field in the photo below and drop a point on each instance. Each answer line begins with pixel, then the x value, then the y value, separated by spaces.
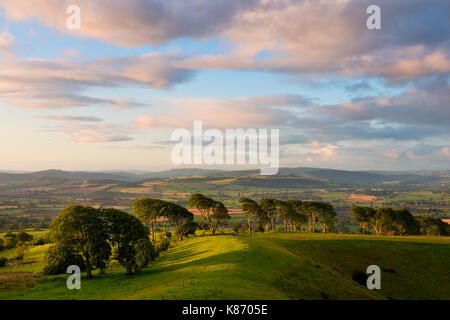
pixel 265 266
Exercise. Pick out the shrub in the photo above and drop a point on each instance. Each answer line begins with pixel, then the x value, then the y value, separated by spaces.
pixel 10 240
pixel 188 228
pixel 202 226
pixel 24 237
pixel 44 239
pixel 145 253
pixel 163 245
pixel 58 258
pixel 237 227
pixel 3 261
pixel 21 251
pixel 259 228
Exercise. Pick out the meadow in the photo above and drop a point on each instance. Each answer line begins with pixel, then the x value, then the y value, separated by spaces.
pixel 277 266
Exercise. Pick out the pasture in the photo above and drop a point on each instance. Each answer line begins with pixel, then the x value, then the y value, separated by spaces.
pixel 263 266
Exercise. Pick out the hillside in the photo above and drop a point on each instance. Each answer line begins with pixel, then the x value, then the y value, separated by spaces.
pixel 266 266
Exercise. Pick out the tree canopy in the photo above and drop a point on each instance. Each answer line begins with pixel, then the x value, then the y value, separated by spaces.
pixel 213 212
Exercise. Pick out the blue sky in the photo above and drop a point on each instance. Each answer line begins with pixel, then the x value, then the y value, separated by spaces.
pixel 108 96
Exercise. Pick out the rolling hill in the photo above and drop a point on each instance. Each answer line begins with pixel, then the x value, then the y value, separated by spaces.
pixel 266 266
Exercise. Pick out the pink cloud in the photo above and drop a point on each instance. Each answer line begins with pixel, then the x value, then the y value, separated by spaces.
pixel 7 45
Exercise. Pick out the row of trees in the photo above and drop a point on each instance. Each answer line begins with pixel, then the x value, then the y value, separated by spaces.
pixel 294 214
pixel 154 210
pixel 390 222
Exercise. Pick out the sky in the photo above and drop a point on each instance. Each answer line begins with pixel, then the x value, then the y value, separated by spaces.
pixel 108 96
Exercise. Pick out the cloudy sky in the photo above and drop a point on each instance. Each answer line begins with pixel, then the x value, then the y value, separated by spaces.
pixel 109 95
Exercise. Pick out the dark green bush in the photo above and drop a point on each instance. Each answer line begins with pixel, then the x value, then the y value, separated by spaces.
pixel 163 245
pixel 3 261
pixel 59 258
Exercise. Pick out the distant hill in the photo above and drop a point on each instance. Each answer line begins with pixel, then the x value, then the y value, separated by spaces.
pixel 310 176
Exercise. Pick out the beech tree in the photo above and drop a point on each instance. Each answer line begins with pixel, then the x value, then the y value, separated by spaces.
pixel 213 212
pixel 81 231
pixel 129 237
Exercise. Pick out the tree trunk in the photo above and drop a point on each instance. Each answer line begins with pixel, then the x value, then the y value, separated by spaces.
pixel 249 225
pixel 273 223
pixel 88 270
pixel 152 231
pixel 129 270
pixel 165 231
pixel 284 221
pixel 88 265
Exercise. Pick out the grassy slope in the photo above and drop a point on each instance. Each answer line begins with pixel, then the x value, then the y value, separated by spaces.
pixel 270 266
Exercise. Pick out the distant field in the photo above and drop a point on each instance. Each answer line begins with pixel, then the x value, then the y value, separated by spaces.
pixel 265 266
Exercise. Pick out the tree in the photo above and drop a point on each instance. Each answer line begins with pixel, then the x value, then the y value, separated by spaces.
pixel 432 226
pixel 24 237
pixel 251 209
pixel 286 211
pixel 312 212
pixel 59 257
pixel 327 217
pixel 405 222
pixel 10 240
pixel 125 233
pixel 186 229
pixel 81 230
pixel 384 221
pixel 297 218
pixel 149 210
pixel 145 253
pixel 21 251
pixel 213 212
pixel 180 217
pixel 363 216
pixel 269 207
